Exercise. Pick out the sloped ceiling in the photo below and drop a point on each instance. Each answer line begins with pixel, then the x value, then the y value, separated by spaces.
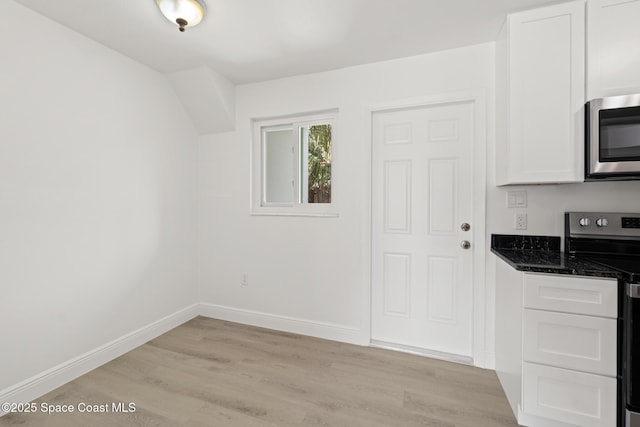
pixel 244 41
pixel 255 40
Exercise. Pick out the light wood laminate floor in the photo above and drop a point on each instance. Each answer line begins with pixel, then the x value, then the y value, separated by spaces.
pixel 214 373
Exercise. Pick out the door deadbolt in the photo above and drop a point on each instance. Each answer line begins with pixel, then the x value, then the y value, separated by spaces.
pixel 465 226
pixel 465 244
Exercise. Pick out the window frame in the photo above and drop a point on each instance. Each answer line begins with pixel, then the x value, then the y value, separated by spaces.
pixel 258 165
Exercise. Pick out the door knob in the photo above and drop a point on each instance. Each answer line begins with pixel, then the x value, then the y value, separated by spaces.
pixel 465 226
pixel 465 244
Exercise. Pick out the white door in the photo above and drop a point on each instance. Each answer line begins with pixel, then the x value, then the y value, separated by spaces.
pixel 422 186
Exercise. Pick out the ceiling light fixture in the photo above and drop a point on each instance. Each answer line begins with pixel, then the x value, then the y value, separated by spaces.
pixel 184 13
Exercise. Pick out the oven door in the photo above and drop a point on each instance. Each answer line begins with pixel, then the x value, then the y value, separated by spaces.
pixel 631 354
pixel 613 138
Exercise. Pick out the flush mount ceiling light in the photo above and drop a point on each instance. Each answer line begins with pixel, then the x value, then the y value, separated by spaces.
pixel 184 13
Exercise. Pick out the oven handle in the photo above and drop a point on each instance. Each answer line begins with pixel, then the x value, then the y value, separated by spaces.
pixel 633 290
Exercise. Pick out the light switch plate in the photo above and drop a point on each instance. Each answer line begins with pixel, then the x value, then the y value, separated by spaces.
pixel 516 199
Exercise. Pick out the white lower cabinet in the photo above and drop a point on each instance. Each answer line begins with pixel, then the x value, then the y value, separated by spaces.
pixel 556 348
pixel 582 343
pixel 592 296
pixel 572 397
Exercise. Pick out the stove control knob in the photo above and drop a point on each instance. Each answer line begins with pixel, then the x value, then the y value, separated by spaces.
pixel 584 222
pixel 602 222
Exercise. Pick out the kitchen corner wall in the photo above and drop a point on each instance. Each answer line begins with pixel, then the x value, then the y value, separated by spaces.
pixel 97 196
pixel 310 275
pixel 546 205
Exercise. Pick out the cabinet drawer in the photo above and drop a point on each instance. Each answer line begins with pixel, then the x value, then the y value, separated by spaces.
pixel 571 294
pixel 572 397
pixel 582 343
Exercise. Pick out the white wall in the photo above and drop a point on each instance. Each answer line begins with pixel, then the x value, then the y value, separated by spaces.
pixel 97 196
pixel 310 274
pixel 548 203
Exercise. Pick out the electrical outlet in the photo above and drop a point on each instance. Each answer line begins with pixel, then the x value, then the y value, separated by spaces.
pixel 244 281
pixel 520 221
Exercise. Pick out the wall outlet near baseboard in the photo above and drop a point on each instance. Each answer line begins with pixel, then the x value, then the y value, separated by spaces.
pixel 520 221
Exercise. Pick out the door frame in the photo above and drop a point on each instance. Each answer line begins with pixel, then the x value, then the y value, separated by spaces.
pixel 478 98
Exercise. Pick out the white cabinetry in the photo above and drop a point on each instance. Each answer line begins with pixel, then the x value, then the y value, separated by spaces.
pixel 613 40
pixel 595 297
pixel 572 397
pixel 583 343
pixel 540 96
pixel 556 347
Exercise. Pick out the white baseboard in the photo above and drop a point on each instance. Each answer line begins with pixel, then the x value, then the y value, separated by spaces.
pixel 49 380
pixel 449 357
pixel 38 385
pixel 287 324
pixel 489 361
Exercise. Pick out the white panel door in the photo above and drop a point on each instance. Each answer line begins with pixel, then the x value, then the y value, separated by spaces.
pixel 422 194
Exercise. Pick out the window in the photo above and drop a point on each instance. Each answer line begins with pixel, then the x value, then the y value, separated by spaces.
pixel 293 165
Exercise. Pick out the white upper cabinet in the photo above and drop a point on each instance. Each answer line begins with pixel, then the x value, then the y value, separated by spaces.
pixel 540 78
pixel 613 40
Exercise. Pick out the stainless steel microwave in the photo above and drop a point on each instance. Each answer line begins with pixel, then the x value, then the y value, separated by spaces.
pixel 612 150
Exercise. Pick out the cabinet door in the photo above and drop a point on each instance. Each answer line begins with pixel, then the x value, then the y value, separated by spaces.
pixel 571 294
pixel 546 94
pixel 575 398
pixel 614 36
pixel 582 343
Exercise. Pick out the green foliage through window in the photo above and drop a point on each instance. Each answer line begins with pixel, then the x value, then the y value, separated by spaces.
pixel 319 164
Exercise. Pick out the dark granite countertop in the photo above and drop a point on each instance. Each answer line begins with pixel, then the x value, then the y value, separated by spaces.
pixel 541 254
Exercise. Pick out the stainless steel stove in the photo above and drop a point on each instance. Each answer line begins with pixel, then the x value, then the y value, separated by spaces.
pixel 613 240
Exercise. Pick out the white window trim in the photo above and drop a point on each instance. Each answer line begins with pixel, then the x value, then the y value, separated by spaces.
pixel 258 207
